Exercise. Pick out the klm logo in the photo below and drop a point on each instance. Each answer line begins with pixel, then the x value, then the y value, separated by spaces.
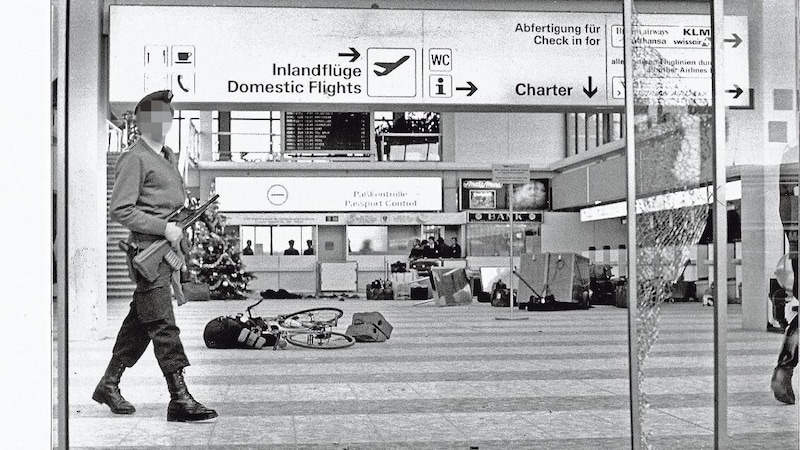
pixel 697 32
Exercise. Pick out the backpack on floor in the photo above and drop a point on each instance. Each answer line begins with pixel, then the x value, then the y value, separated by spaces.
pixel 369 327
pixel 236 332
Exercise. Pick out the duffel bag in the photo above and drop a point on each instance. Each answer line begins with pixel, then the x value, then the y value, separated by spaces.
pixel 235 332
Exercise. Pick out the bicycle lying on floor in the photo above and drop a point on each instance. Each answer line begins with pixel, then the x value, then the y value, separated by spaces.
pixel 309 328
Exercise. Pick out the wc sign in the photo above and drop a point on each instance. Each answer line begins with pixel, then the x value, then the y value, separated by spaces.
pixel 440 60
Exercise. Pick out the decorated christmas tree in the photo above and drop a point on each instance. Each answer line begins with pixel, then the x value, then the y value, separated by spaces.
pixel 214 258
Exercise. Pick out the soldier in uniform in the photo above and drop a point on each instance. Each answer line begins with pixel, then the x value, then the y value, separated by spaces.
pixel 148 188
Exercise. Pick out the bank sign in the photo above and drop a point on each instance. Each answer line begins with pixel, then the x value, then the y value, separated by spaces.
pixel 329 194
pixel 504 217
pixel 490 60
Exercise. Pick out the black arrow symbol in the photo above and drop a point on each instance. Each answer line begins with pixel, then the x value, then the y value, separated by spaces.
pixel 353 52
pixel 738 91
pixel 590 92
pixel 736 40
pixel 471 88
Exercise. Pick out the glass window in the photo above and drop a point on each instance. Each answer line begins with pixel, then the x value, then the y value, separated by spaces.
pixel 492 239
pixel 394 139
pixel 401 238
pixel 251 138
pixel 260 236
pixel 366 240
pixel 274 240
pixel 282 235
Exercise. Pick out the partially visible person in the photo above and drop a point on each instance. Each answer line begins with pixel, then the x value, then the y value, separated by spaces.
pixel 429 249
pixel 291 251
pixel 366 247
pixel 442 248
pixel 310 249
pixel 248 250
pixel 147 189
pixel 781 382
pixel 416 250
pixel 455 249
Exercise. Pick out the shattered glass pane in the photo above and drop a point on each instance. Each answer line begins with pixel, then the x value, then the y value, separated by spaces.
pixel 673 157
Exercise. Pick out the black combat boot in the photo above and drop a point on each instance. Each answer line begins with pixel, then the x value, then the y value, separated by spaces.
pixel 787 361
pixel 107 390
pixel 182 406
pixel 782 384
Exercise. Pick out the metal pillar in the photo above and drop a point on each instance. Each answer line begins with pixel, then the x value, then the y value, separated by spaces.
pixel 630 145
pixel 60 186
pixel 720 228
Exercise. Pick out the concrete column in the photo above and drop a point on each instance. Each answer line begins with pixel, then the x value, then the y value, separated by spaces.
pixel 757 144
pixel 762 241
pixel 86 171
pixel 206 139
pixel 206 153
pixel 447 126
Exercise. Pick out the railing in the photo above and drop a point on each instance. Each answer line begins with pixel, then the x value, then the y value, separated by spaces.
pixel 409 147
pixel 260 155
pixel 116 139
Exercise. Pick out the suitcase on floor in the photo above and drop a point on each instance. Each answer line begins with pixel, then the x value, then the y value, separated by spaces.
pixel 419 293
pixel 369 327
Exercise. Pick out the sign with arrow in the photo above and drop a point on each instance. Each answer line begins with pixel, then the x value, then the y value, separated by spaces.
pixel 737 92
pixel 449 60
pixel 470 88
pixel 353 55
pixel 678 70
pixel 589 91
pixel 736 40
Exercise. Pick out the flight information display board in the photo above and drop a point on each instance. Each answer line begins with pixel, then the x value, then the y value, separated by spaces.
pixel 321 131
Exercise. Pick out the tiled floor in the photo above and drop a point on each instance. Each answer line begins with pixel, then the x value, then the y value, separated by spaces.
pixel 448 378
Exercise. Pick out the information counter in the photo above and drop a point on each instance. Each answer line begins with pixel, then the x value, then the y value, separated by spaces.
pixel 296 274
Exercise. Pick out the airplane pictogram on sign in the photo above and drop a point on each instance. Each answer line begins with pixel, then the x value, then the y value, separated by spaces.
pixel 391 72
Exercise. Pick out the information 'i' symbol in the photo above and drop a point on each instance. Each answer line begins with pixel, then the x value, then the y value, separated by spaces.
pixel 440 86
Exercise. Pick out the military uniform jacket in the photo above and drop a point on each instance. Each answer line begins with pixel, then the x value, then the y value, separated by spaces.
pixel 148 188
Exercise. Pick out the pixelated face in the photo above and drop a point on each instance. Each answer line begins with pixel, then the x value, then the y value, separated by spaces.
pixel 155 121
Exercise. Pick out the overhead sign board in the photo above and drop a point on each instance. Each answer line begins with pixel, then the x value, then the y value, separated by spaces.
pixel 329 194
pixel 674 67
pixel 391 218
pixel 488 195
pixel 451 59
pixel 511 173
pixel 504 217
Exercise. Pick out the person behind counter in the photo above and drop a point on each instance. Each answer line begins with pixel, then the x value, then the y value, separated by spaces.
pixel 442 248
pixel 248 250
pixel 291 251
pixel 429 250
pixel 310 249
pixel 455 249
pixel 416 250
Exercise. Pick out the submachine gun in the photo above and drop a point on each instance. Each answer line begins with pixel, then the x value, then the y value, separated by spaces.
pixel 146 262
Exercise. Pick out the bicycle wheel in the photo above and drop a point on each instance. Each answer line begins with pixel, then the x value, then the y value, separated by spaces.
pixel 321 340
pixel 310 318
